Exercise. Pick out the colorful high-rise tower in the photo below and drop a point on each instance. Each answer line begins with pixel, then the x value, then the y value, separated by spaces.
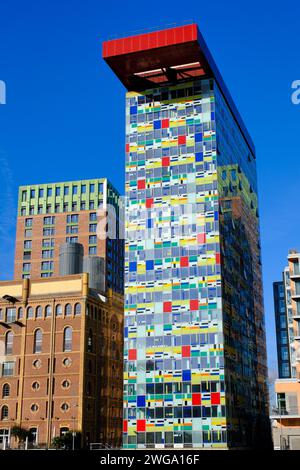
pixel 195 351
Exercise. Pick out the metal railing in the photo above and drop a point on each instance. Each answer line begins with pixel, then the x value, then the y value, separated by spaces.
pixel 150 30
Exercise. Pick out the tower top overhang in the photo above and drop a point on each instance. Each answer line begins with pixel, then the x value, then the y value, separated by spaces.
pixel 166 57
pixel 158 58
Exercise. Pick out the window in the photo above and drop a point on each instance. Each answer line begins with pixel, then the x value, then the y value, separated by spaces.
pixel 48 209
pixel 75 189
pixel 58 310
pixel 77 309
pixel 48 232
pixel 92 188
pixel 34 408
pixel 27 255
pixel 47 266
pixel 66 190
pixel 72 218
pixel 64 407
pixel 35 386
pixel 68 310
pixel 5 390
pixel 31 210
pixel 71 229
pixel 28 222
pixel 32 193
pixel 92 250
pixel 88 388
pixel 49 192
pixel 281 402
pixel 93 216
pixel 20 313
pixel 92 205
pixel 100 188
pixel 7 369
pixel 93 228
pixel 67 346
pixel 40 209
pixel 4 412
pixel 67 362
pixel 48 243
pixel 49 220
pixel 72 239
pixel 83 206
pixel 66 207
pixel 83 188
pixel 11 314
pixel 28 233
pixel 24 196
pixel 39 312
pixel 36 364
pixel 33 434
pixel 93 239
pixel 9 340
pixel 28 244
pixel 65 384
pixel 57 191
pixel 23 211
pixel 48 311
pixel 38 339
pixel 26 267
pixel 30 312
pixel 57 208
pixel 90 342
pixel 74 206
pixel 47 254
pixel 284 353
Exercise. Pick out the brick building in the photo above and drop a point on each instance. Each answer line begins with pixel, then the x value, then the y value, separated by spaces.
pixel 55 213
pixel 61 360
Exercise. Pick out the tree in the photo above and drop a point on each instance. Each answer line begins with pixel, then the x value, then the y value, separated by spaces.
pixel 66 441
pixel 57 443
pixel 20 433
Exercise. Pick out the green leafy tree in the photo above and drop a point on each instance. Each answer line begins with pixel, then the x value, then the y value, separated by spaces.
pixel 20 433
pixel 66 441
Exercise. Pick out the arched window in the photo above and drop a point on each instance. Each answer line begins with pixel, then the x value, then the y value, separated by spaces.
pixel 68 310
pixel 58 310
pixel 5 390
pixel 20 313
pixel 90 342
pixel 38 339
pixel 9 340
pixel 77 309
pixel 67 346
pixel 48 311
pixel 39 312
pixel 4 412
pixel 30 312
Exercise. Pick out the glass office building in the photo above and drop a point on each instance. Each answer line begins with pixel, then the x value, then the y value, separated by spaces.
pixel 195 358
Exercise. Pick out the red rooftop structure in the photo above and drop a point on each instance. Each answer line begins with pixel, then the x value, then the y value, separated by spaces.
pixel 166 57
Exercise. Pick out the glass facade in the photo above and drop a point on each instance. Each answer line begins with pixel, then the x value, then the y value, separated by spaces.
pixel 195 359
pixel 284 365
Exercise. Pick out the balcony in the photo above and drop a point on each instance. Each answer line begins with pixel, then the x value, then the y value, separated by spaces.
pixel 284 414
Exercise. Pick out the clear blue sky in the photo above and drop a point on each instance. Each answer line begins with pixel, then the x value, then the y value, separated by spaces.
pixel 64 117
